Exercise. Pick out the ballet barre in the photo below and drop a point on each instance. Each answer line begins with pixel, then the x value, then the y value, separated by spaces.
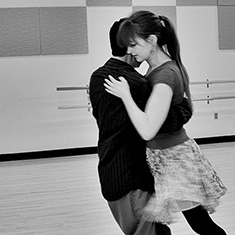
pixel 72 88
pixel 207 82
pixel 75 88
pixel 215 98
pixel 75 107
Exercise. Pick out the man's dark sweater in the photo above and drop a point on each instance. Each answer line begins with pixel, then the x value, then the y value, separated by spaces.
pixel 122 153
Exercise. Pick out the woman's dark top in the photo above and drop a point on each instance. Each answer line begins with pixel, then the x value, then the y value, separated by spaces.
pixel 172 132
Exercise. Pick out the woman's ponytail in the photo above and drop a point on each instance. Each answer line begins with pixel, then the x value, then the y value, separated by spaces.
pixel 173 49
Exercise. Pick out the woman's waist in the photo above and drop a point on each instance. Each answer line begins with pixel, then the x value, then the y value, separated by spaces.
pixel 168 140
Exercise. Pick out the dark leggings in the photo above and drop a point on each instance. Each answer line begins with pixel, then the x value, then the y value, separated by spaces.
pixel 200 221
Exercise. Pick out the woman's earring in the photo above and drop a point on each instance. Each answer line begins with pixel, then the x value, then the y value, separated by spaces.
pixel 152 51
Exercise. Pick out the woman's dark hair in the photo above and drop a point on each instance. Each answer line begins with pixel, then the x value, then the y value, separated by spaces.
pixel 145 23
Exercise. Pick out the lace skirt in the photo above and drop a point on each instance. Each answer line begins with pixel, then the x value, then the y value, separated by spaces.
pixel 184 178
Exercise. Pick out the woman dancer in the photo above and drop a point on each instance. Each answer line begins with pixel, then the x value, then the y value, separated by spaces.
pixel 184 179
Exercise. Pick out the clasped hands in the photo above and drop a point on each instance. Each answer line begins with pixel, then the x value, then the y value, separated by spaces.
pixel 119 88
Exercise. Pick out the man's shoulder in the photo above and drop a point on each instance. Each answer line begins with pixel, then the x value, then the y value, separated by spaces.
pixel 116 69
pixel 98 71
pixel 135 77
pixel 105 69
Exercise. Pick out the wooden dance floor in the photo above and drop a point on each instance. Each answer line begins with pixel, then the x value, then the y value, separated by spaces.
pixel 61 196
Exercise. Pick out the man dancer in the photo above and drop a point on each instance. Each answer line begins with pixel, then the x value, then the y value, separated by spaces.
pixel 126 181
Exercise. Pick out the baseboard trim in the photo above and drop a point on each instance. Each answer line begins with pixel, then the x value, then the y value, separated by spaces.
pixel 215 139
pixel 48 154
pixel 92 150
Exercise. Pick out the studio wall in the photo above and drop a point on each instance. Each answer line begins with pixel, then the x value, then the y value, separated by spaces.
pixel 31 119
